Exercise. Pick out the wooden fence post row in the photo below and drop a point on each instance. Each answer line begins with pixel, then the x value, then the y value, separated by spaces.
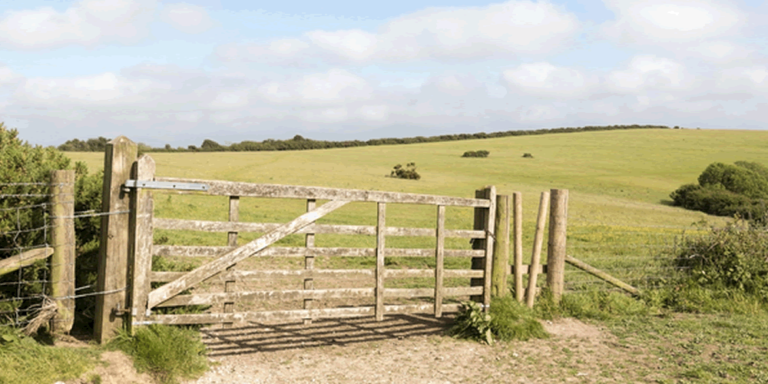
pixel 63 258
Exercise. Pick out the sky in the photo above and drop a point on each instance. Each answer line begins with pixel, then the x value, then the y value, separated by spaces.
pixel 166 72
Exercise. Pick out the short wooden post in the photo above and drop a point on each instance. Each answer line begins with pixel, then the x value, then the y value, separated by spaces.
pixel 309 262
pixel 484 218
pixel 558 224
pixel 120 154
pixel 517 198
pixel 501 248
pixel 538 240
pixel 380 229
pixel 439 260
pixel 230 284
pixel 141 240
pixel 63 258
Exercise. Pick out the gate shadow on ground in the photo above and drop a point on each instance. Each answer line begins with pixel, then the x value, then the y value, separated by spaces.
pixel 257 337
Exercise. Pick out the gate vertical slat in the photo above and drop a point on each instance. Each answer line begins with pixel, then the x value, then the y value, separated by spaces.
pixel 141 230
pixel 230 285
pixel 309 262
pixel 489 240
pixel 439 260
pixel 380 228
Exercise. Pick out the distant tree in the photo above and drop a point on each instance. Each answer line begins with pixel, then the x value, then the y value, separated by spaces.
pixel 210 145
pixel 480 153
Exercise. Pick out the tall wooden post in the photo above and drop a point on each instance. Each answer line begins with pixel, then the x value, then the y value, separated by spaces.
pixel 309 262
pixel 113 268
pixel 230 284
pixel 538 240
pixel 484 218
pixel 380 229
pixel 558 227
pixel 517 198
pixel 501 248
pixel 63 258
pixel 439 260
pixel 141 240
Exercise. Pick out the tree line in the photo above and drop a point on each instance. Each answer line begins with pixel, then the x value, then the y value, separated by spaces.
pixel 298 142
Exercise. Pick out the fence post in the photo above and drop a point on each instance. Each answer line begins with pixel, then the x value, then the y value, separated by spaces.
pixel 309 262
pixel 141 241
pixel 119 156
pixel 538 239
pixel 558 222
pixel 63 258
pixel 501 248
pixel 439 260
pixel 484 218
pixel 380 230
pixel 517 198
pixel 230 285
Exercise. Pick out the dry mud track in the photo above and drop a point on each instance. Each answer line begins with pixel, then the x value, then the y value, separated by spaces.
pixel 413 349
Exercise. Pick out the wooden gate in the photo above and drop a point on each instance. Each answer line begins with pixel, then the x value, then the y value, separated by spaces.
pixel 181 288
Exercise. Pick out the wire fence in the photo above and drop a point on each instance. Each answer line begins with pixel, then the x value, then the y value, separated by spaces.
pixel 26 225
pixel 644 256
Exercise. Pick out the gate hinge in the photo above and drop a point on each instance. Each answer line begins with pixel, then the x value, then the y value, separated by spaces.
pixel 165 185
pixel 117 311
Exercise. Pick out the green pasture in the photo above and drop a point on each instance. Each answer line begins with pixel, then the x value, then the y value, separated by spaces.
pixel 619 184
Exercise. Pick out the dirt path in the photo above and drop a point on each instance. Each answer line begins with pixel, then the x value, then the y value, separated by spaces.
pixel 410 349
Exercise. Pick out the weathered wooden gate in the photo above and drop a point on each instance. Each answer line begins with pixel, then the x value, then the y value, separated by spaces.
pixel 180 288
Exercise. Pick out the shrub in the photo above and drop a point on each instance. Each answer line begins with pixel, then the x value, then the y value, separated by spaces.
pixel 506 320
pixel 528 155
pixel 168 353
pixel 409 172
pixel 480 153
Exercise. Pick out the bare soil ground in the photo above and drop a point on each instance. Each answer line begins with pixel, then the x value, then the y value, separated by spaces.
pixel 414 349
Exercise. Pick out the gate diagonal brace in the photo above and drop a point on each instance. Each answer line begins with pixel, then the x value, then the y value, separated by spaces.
pixel 165 185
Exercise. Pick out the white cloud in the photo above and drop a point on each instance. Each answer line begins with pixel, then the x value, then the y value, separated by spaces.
pixel 352 44
pixel 545 79
pixel 290 52
pixel 8 77
pixel 373 112
pixel 671 21
pixel 106 88
pixel 648 72
pixel 87 23
pixel 187 18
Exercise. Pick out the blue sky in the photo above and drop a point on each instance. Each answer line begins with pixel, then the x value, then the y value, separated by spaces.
pixel 179 72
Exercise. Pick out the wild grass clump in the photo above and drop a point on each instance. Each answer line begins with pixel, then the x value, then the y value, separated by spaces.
pixel 167 353
pixel 480 153
pixel 408 172
pixel 597 305
pixel 25 361
pixel 505 321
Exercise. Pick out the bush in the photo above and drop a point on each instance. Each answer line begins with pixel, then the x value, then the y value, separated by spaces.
pixel 528 155
pixel 409 172
pixel 505 321
pixel 168 353
pixel 480 153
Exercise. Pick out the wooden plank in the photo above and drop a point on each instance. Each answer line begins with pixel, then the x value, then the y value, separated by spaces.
pixel 369 230
pixel 24 259
pixel 63 258
pixel 230 188
pixel 430 292
pixel 602 275
pixel 489 246
pixel 141 232
pixel 215 298
pixel 201 273
pixel 558 226
pixel 240 275
pixel 537 243
pixel 214 251
pixel 119 157
pixel 230 285
pixel 439 261
pixel 295 315
pixel 380 224
pixel 501 248
pixel 410 273
pixel 309 262
pixel 517 199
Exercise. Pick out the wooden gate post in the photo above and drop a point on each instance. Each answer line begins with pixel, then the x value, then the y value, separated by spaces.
pixel 517 198
pixel 558 223
pixel 63 258
pixel 141 240
pixel 538 239
pixel 119 156
pixel 484 218
pixel 501 248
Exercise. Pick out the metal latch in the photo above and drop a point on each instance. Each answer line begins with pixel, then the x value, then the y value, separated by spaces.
pixel 165 185
pixel 118 311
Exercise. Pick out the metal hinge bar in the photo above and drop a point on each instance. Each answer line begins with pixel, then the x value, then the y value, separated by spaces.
pixel 165 185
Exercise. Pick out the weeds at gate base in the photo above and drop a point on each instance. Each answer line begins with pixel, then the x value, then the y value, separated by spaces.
pixel 167 353
pixel 505 321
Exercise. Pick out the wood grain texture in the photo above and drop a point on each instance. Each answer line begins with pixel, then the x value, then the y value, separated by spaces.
pixel 501 248
pixel 119 157
pixel 309 262
pixel 538 241
pixel 230 285
pixel 229 188
pixel 24 259
pixel 141 232
pixel 558 226
pixel 380 225
pixel 203 272
pixel 439 261
pixel 214 251
pixel 517 199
